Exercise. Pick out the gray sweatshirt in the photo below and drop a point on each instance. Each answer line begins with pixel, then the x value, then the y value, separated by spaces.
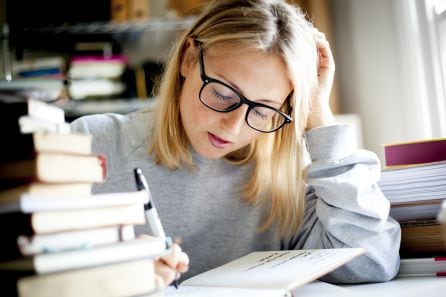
pixel 203 206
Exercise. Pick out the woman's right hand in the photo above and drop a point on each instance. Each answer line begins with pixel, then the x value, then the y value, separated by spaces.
pixel 169 266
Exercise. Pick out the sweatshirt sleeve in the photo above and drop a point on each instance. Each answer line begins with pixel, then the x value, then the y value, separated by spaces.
pixel 344 207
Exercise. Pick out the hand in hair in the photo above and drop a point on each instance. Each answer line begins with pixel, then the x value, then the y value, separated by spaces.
pixel 321 114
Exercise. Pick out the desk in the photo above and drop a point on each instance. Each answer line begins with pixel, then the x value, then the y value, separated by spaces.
pixel 403 287
pixel 407 287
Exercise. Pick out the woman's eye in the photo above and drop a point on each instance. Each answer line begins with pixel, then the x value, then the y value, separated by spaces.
pixel 259 114
pixel 221 96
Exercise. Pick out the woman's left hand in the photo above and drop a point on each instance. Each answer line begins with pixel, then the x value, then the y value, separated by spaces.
pixel 320 113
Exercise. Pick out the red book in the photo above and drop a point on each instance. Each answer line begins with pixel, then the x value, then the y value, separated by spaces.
pixel 415 152
pixel 435 266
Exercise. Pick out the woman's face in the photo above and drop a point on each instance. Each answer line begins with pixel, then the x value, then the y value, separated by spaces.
pixel 257 76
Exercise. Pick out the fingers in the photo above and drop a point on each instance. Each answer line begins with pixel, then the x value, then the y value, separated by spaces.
pixel 159 281
pixel 165 274
pixel 168 266
pixel 323 46
pixel 176 259
pixel 321 114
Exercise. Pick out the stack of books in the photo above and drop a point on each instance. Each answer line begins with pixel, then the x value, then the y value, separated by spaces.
pixel 414 181
pixel 58 238
pixel 96 77
pixel 43 89
pixel 44 67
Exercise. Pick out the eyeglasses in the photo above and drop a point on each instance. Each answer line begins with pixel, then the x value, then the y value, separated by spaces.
pixel 221 97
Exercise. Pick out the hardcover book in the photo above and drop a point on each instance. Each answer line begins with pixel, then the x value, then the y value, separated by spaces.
pixel 56 168
pixel 147 247
pixel 435 266
pixel 71 240
pixel 26 146
pixel 10 193
pixel 29 204
pixel 130 278
pixel 17 247
pixel 415 152
pixel 422 238
pixel 65 220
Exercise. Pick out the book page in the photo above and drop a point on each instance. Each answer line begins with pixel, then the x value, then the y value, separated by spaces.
pixel 281 270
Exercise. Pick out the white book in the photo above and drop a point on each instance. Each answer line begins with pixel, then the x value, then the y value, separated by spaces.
pixel 442 214
pixel 33 203
pixel 268 273
pixel 147 247
pixel 71 240
pixel 130 278
pixel 435 266
pixel 29 124
pixel 76 219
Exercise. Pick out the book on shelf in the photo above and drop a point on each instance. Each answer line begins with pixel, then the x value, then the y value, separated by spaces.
pixel 422 238
pixel 42 89
pixel 12 192
pixel 26 146
pixel 278 273
pixel 56 168
pixel 64 220
pixel 96 76
pixel 415 152
pixel 146 247
pixel 433 266
pixel 130 278
pixel 42 67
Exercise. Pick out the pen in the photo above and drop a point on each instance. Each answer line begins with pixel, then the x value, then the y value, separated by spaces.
pixel 151 214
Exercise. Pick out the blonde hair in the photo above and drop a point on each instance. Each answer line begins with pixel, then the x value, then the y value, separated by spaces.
pixel 270 26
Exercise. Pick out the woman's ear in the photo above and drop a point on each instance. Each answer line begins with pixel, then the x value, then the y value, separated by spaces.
pixel 187 59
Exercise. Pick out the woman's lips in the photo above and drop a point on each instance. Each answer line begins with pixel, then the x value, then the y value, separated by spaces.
pixel 217 141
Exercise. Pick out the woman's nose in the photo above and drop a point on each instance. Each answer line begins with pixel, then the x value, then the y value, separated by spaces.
pixel 233 121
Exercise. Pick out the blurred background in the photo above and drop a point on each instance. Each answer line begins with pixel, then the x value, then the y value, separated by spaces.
pixel 390 57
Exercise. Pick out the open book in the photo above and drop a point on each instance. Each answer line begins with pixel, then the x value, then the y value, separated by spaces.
pixel 269 273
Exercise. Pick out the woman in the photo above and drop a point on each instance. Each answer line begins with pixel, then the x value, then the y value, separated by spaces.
pixel 244 97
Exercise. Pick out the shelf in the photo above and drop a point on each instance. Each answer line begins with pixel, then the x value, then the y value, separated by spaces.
pixel 74 109
pixel 154 25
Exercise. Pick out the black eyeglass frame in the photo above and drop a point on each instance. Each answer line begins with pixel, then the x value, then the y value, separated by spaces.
pixel 243 100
